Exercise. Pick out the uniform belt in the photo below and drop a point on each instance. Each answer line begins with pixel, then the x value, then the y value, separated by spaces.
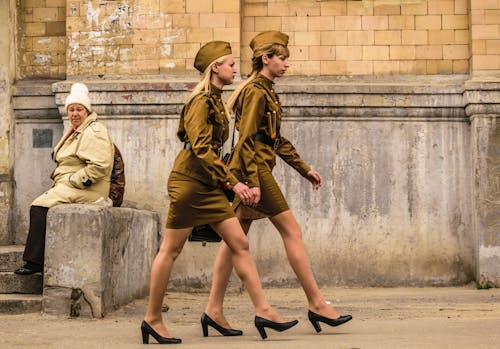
pixel 188 146
pixel 267 140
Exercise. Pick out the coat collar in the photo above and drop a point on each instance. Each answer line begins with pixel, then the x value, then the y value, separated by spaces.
pixel 90 119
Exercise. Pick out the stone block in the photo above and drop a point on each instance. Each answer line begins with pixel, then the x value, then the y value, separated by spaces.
pixel 172 6
pixel 478 47
pixel 403 52
pixel 308 38
pixel 485 62
pixel 359 68
pixel 428 22
pixel 493 47
pixel 97 256
pixel 11 257
pixel 226 6
pixel 55 3
pixel 56 28
pixel 321 23
pixel 414 8
pixel 461 7
pixel 377 53
pixel 374 22
pixel 461 66
pixel 199 35
pixel 486 31
pixel 185 20
pixel 414 37
pixel 456 52
pixel 296 24
pixel 35 29
pixel 441 37
pixel 232 35
pixel 439 67
pixel 199 6
pixel 456 22
pixel 334 37
pixel 349 53
pixel 45 14
pixel 401 22
pixel 382 9
pixel 441 7
pixel 388 37
pixel 359 8
pixel 267 23
pixel 484 4
pixel 11 304
pixel 13 283
pixel 212 20
pixel 333 8
pixel 413 67
pixel 322 53
pixel 361 37
pixel 348 23
pixel 385 67
pixel 429 52
pixel 258 9
pixel 462 36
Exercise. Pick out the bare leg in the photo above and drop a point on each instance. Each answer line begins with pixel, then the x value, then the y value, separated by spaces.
pixel 171 247
pixel 230 230
pixel 291 234
pixel 223 268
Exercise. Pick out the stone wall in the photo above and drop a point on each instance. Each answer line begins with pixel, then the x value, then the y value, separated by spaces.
pixel 41 51
pixel 7 76
pixel 364 37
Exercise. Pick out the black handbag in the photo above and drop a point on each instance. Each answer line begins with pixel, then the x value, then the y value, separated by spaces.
pixel 204 233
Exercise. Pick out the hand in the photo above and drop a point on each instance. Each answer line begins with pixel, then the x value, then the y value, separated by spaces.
pixel 244 192
pixel 315 178
pixel 256 195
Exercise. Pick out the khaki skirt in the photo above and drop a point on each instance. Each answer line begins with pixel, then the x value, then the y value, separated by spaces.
pixel 272 201
pixel 194 203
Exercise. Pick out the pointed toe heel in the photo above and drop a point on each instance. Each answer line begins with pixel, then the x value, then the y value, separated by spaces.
pixel 227 332
pixel 261 324
pixel 147 331
pixel 315 319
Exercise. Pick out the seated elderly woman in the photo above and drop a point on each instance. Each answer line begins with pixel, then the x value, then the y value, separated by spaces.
pixel 84 160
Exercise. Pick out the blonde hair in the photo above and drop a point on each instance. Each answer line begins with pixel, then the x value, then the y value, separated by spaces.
pixel 269 50
pixel 204 85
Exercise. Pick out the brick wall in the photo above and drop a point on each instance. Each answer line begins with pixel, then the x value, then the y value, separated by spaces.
pixel 41 39
pixel 485 38
pixel 365 37
pixel 327 37
pixel 146 37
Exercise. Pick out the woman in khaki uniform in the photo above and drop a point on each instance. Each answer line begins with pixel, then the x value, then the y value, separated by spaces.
pixel 258 119
pixel 84 158
pixel 196 197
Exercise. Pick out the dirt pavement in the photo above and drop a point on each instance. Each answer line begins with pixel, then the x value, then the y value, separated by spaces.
pixel 458 317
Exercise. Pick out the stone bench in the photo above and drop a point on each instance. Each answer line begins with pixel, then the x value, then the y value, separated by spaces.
pixel 97 258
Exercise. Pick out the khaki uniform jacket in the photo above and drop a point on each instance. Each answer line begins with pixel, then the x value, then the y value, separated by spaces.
pixel 204 124
pixel 82 156
pixel 258 110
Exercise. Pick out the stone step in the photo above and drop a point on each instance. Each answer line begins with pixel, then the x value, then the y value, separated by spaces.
pixel 11 257
pixel 13 283
pixel 20 303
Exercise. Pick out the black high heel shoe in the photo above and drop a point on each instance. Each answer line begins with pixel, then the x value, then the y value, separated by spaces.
pixel 207 321
pixel 148 330
pixel 316 318
pixel 262 323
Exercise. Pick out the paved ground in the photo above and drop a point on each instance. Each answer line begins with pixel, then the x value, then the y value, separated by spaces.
pixel 461 317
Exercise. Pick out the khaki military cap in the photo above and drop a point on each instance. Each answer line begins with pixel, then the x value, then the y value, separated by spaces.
pixel 269 37
pixel 210 52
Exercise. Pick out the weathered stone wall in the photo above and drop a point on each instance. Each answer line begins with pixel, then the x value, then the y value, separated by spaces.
pixel 7 74
pixel 41 51
pixel 396 207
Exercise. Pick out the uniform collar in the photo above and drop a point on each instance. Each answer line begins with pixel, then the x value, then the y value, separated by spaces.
pixel 214 90
pixel 268 83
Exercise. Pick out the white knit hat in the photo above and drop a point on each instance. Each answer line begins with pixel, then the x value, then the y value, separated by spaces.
pixel 79 94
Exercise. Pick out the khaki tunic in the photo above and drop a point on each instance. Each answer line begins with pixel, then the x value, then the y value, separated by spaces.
pixel 258 110
pixel 83 155
pixel 194 185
